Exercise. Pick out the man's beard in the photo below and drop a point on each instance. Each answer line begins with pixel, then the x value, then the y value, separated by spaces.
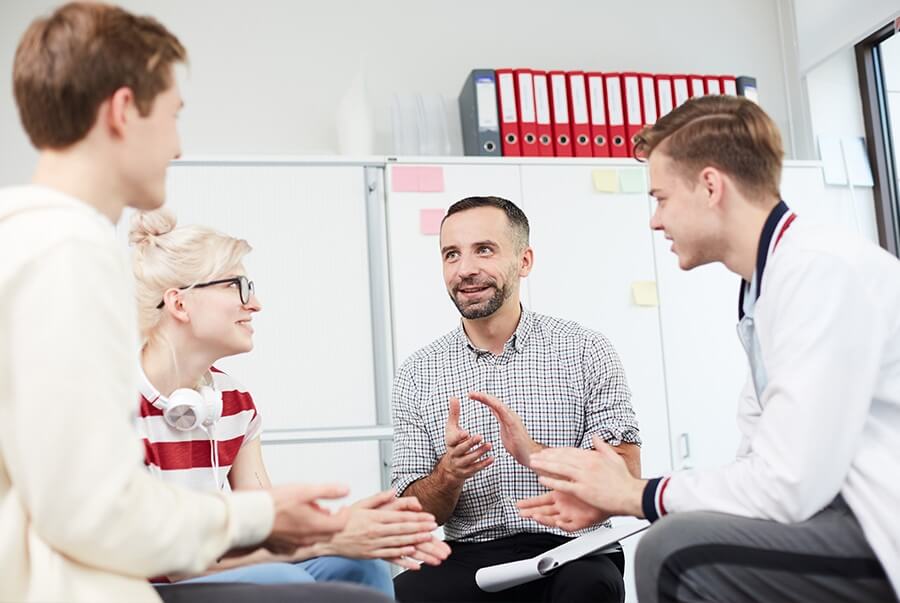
pixel 485 308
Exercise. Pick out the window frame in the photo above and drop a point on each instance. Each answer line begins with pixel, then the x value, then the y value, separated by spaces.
pixel 881 148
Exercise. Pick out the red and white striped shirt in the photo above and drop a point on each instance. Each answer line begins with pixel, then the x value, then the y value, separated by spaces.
pixel 185 457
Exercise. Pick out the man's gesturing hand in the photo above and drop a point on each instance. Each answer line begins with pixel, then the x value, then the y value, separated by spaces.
pixel 512 431
pixel 463 450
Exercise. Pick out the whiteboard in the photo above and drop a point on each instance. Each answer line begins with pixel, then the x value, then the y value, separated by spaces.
pixel 312 365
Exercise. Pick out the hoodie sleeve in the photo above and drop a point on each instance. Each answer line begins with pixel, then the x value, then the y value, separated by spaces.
pixel 67 434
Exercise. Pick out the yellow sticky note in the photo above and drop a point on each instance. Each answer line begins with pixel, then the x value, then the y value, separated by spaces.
pixel 644 293
pixel 633 180
pixel 605 180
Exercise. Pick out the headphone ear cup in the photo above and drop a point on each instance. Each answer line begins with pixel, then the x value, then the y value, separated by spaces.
pixel 213 400
pixel 186 409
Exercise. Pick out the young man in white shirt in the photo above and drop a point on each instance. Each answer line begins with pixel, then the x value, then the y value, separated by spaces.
pixel 806 512
pixel 80 517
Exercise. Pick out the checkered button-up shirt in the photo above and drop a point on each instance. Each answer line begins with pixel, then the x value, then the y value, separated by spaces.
pixel 565 382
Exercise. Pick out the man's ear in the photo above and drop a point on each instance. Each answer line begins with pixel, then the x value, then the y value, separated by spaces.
pixel 526 262
pixel 118 110
pixel 713 183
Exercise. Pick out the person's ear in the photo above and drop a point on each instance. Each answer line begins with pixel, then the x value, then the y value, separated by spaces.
pixel 175 305
pixel 713 184
pixel 117 111
pixel 526 262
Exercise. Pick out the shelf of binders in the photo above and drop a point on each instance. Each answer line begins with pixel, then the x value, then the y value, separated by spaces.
pixel 533 113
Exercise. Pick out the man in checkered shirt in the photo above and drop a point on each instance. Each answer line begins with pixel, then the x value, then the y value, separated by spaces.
pixel 471 408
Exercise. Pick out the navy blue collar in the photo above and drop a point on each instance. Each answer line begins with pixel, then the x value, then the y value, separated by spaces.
pixel 762 253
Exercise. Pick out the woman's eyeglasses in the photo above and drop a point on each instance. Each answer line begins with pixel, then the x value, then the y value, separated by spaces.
pixel 245 288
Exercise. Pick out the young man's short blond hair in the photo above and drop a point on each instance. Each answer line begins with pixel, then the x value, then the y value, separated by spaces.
pixel 729 133
pixel 68 63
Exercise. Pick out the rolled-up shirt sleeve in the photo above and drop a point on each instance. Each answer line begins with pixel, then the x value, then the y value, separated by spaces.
pixel 608 409
pixel 414 456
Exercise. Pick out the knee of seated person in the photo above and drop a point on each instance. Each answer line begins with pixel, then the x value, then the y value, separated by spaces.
pixel 362 571
pixel 582 578
pixel 278 573
pixel 662 539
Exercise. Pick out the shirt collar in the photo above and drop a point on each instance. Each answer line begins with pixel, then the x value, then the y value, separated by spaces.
pixel 778 220
pixel 517 341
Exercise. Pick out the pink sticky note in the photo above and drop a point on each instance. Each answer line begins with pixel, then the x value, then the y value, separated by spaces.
pixel 430 221
pixel 405 180
pixel 431 179
pixel 417 179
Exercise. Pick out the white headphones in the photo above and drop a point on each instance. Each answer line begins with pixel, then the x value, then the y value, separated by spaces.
pixel 185 409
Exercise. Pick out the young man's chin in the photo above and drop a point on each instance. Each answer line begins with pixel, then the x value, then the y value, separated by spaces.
pixel 147 202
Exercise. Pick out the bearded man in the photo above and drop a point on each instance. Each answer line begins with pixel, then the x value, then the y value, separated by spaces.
pixel 471 408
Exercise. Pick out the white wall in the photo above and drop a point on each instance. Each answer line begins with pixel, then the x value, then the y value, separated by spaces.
pixel 266 76
pixel 825 27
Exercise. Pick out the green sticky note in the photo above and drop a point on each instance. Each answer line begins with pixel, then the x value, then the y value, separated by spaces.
pixel 605 180
pixel 633 180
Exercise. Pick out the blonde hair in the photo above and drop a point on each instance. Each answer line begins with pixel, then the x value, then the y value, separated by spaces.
pixel 165 257
pixel 730 133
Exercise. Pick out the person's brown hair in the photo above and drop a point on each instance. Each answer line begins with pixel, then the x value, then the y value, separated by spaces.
pixel 68 63
pixel 730 133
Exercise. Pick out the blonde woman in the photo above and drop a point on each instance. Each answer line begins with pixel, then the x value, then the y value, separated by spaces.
pixel 200 428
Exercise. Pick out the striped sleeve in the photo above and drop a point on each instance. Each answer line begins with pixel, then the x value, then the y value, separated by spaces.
pixel 652 501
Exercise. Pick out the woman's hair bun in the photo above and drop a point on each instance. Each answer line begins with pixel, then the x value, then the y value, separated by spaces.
pixel 147 225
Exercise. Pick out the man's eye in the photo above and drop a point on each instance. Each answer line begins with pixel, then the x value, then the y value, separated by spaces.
pixel 450 255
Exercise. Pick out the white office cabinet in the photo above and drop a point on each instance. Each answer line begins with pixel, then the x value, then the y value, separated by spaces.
pixel 421 307
pixel 349 463
pixel 590 250
pixel 705 363
pixel 312 361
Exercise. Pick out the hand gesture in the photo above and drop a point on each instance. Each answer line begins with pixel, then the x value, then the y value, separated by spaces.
pixel 512 431
pixel 460 462
pixel 431 552
pixel 597 477
pixel 299 520
pixel 560 510
pixel 384 527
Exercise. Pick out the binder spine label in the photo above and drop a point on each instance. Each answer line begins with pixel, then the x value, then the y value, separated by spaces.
pixel 560 101
pixel 681 91
pixel 633 98
pixel 508 93
pixel 541 99
pixel 598 106
pixel 579 102
pixel 665 97
pixel 648 87
pixel 614 100
pixel 526 95
pixel 486 100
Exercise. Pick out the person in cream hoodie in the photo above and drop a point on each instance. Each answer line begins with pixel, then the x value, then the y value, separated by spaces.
pixel 80 517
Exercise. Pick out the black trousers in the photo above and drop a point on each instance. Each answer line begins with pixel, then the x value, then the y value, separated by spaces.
pixel 243 592
pixel 597 579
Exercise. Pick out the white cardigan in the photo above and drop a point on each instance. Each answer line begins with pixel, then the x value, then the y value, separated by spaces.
pixel 80 517
pixel 828 421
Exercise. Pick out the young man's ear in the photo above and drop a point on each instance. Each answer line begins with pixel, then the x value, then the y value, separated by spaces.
pixel 712 182
pixel 116 111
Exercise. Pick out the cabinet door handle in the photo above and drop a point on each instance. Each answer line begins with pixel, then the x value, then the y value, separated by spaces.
pixel 685 445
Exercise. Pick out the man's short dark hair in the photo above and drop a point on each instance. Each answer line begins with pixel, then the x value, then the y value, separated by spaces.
pixel 518 222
